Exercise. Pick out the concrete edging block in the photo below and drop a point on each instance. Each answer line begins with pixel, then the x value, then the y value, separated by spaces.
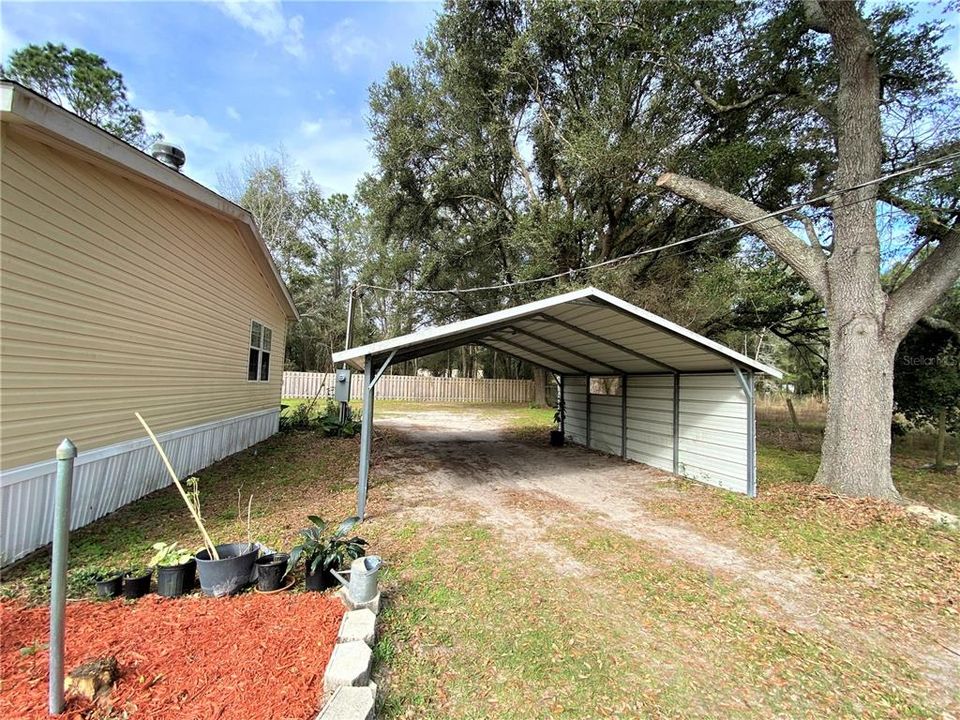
pixel 349 666
pixel 358 625
pixel 350 703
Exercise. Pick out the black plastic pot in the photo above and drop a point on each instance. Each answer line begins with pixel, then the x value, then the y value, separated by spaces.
pixel 231 573
pixel 175 580
pixel 270 571
pixel 556 438
pixel 136 586
pixel 320 580
pixel 110 587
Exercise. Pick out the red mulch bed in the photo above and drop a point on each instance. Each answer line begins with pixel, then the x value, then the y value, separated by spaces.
pixel 249 657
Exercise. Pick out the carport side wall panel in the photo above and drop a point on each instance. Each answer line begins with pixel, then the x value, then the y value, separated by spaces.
pixel 714 431
pixel 575 408
pixel 650 420
pixel 605 423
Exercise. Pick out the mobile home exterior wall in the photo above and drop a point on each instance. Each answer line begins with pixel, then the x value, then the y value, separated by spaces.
pixel 118 297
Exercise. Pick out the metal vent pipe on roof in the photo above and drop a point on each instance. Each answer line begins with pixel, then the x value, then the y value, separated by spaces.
pixel 170 155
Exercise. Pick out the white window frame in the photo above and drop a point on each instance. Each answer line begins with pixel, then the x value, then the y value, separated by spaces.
pixel 265 345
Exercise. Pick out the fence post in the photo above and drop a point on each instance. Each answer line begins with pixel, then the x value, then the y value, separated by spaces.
pixel 66 453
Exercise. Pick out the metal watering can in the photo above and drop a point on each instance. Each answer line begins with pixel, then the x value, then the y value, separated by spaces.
pixel 363 573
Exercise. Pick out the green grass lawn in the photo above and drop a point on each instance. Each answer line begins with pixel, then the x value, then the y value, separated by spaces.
pixel 475 626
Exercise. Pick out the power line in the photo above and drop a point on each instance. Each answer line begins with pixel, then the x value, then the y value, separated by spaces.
pixel 646 251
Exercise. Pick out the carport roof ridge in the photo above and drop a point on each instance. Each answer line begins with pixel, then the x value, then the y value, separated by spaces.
pixel 583 332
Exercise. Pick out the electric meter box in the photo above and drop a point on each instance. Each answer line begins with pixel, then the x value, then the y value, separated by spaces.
pixel 342 390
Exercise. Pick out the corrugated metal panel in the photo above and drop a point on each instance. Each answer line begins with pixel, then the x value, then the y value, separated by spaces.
pixel 108 478
pixel 575 408
pixel 588 309
pixel 650 420
pixel 713 431
pixel 117 298
pixel 605 423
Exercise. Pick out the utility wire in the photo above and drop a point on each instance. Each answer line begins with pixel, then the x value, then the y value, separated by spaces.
pixel 646 251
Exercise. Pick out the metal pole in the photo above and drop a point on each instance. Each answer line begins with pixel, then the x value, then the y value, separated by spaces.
pixel 676 423
pixel 366 435
pixel 588 412
pixel 623 417
pixel 747 385
pixel 751 436
pixel 66 453
pixel 345 405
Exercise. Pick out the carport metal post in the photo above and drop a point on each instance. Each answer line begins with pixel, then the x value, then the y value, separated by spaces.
pixel 676 423
pixel 623 417
pixel 366 428
pixel 588 411
pixel 745 378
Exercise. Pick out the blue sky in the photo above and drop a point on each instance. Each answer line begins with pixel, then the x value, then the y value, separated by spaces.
pixel 227 79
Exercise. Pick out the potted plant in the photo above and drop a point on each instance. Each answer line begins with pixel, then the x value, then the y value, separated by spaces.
pixel 109 583
pixel 136 582
pixel 223 569
pixel 556 435
pixel 176 569
pixel 271 570
pixel 324 551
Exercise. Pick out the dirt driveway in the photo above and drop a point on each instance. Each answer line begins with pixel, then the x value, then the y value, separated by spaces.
pixel 455 467
pixel 466 464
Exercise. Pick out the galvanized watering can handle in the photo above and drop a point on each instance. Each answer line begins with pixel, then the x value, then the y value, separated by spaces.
pixel 338 576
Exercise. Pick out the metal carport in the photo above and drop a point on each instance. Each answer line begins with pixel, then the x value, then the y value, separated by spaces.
pixel 685 403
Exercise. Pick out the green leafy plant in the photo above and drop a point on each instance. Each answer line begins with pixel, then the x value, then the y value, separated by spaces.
pixel 324 550
pixel 300 418
pixel 169 555
pixel 329 422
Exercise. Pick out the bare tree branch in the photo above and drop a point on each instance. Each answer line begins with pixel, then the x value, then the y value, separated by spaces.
pixel 805 260
pixel 811 231
pixel 720 107
pixel 936 274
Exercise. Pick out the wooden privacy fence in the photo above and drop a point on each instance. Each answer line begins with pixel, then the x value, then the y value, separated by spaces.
pixel 414 387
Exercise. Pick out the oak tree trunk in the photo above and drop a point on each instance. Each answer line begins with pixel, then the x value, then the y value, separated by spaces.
pixel 855 457
pixel 539 388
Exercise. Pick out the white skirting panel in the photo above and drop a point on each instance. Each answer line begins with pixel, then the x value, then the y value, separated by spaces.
pixel 107 478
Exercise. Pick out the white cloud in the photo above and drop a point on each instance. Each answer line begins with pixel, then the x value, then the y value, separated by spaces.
pixel 232 113
pixel 310 128
pixel 187 131
pixel 267 19
pixel 334 152
pixel 348 45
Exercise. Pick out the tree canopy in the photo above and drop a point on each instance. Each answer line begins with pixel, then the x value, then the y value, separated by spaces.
pixel 83 83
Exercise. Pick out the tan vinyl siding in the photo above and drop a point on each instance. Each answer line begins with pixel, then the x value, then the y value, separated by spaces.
pixel 117 297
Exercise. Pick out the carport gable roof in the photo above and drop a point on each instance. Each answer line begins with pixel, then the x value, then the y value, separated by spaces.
pixel 584 332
